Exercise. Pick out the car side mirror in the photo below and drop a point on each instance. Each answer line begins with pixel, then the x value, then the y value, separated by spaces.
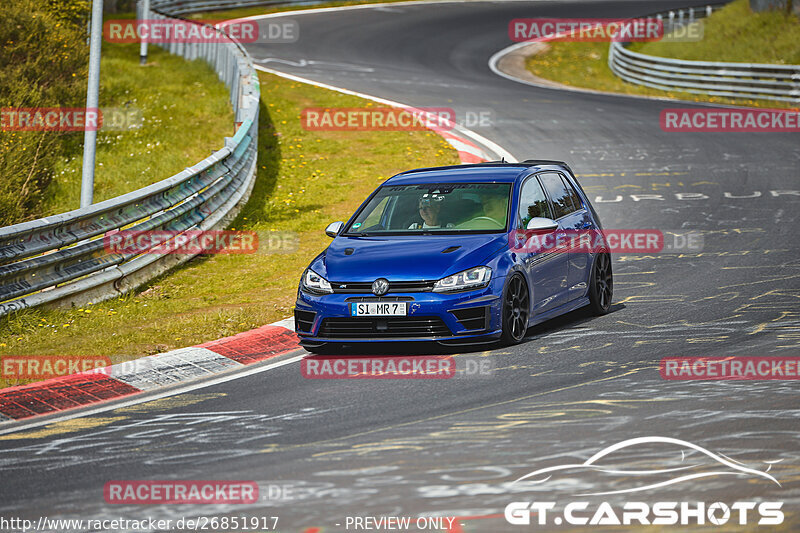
pixel 542 225
pixel 333 229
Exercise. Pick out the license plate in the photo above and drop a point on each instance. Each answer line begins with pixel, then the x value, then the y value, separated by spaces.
pixel 378 309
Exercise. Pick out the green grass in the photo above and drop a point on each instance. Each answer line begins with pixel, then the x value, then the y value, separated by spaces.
pixel 305 180
pixel 736 34
pixel 186 114
pixel 585 65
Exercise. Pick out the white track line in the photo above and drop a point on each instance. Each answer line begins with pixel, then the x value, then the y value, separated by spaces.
pixel 495 59
pixel 491 145
pixel 382 4
pixel 499 151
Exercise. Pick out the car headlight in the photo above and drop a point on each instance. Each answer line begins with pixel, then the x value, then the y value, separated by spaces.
pixel 474 278
pixel 315 284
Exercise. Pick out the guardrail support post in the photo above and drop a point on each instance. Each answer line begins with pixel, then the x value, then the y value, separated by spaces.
pixel 145 14
pixel 92 104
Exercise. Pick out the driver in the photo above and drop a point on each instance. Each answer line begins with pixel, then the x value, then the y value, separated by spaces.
pixel 430 207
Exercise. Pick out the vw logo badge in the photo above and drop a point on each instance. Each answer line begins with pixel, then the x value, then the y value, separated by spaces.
pixel 380 287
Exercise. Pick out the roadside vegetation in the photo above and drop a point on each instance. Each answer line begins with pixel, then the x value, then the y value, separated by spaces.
pixel 186 114
pixel 184 107
pixel 44 61
pixel 306 179
pixel 734 33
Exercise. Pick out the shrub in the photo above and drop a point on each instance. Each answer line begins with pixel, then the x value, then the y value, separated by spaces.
pixel 44 60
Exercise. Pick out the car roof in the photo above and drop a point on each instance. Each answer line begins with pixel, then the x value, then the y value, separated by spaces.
pixel 492 171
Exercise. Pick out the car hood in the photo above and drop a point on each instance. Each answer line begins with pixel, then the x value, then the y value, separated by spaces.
pixel 407 258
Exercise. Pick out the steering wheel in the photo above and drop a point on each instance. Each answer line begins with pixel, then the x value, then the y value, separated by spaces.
pixel 469 224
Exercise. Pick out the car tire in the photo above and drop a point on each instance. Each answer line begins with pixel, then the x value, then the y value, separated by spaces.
pixel 601 284
pixel 516 310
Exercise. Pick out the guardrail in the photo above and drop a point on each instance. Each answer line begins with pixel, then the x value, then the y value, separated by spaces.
pixel 182 7
pixel 743 80
pixel 62 259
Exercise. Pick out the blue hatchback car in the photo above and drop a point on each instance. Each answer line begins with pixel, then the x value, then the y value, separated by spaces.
pixel 432 255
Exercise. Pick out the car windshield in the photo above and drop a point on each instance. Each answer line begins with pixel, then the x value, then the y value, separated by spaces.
pixel 434 208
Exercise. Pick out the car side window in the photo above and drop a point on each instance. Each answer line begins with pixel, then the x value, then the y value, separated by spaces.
pixel 559 194
pixel 532 202
pixel 576 200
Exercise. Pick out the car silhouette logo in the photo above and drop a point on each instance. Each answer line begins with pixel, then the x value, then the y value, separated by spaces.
pixel 380 287
pixel 697 466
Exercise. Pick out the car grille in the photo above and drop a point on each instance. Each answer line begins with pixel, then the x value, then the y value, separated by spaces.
pixel 351 328
pixel 379 299
pixel 304 320
pixel 473 318
pixel 394 286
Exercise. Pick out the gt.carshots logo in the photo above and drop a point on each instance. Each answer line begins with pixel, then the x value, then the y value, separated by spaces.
pixel 642 513
pixel 695 463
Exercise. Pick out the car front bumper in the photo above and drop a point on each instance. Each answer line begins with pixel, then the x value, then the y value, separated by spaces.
pixel 449 318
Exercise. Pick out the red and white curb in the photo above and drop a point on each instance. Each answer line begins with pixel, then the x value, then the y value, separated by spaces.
pixel 148 373
pixel 468 152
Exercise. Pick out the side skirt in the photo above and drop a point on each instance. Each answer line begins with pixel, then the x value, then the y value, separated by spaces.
pixel 560 310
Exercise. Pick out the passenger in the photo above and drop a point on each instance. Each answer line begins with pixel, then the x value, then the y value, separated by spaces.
pixel 495 206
